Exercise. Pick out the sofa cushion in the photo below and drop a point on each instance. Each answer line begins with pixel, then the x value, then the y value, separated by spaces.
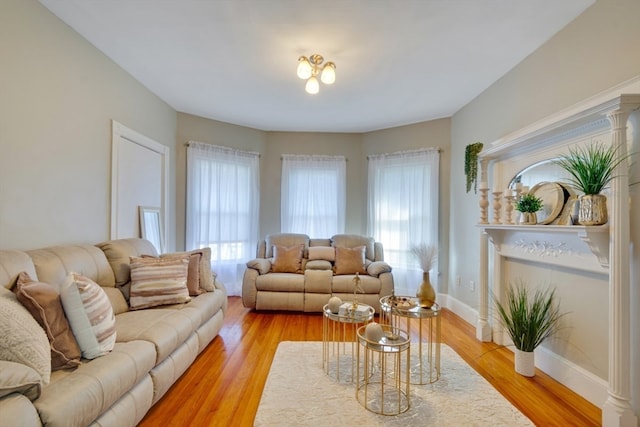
pixel 280 282
pixel 350 260
pixel 157 282
pixel 286 240
pixel 344 284
pixel 43 302
pixel 90 315
pixel 165 328
pixel 287 259
pixel 12 263
pixel 77 398
pixel 23 340
pixel 119 251
pixel 19 378
pixel 318 264
pixel 354 240
pixel 376 268
pixel 53 264
pixel 326 253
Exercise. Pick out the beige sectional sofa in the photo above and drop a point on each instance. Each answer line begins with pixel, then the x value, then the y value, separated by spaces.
pixel 153 348
pixel 322 268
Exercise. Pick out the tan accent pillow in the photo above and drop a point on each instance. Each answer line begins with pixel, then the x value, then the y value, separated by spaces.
pixel 90 315
pixel 43 302
pixel 326 253
pixel 207 277
pixel 193 269
pixel 157 283
pixel 287 259
pixel 350 260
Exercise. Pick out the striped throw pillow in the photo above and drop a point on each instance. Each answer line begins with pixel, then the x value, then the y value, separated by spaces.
pixel 160 282
pixel 90 315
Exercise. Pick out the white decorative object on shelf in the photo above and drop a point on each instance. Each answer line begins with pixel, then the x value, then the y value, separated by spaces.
pixel 497 207
pixel 484 204
pixel 543 248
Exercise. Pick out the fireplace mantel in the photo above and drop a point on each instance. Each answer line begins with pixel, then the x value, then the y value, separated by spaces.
pixel 603 250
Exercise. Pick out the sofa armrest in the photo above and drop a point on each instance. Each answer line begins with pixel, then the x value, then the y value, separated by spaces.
pixel 376 268
pixel 19 378
pixel 261 265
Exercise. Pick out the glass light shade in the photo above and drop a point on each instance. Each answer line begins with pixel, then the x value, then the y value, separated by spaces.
pixel 312 86
pixel 304 68
pixel 328 75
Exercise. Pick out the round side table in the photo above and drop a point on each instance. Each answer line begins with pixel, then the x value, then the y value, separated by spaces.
pixel 423 326
pixel 339 339
pixel 379 388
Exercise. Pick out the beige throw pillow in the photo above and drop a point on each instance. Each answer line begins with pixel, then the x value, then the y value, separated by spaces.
pixel 287 259
pixel 43 302
pixel 326 253
pixel 158 282
pixel 350 260
pixel 193 269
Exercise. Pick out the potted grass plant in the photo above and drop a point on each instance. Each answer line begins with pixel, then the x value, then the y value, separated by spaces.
pixel 427 256
pixel 528 204
pixel 529 320
pixel 591 169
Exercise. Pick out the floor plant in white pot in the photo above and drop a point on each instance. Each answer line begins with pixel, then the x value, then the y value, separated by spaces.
pixel 529 319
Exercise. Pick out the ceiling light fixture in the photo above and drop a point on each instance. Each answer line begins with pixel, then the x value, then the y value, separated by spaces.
pixel 309 69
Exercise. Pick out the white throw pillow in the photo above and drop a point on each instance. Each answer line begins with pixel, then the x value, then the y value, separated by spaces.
pixel 90 315
pixel 22 340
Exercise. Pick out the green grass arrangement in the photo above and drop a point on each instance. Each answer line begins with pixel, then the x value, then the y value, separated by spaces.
pixel 471 165
pixel 591 167
pixel 529 203
pixel 529 321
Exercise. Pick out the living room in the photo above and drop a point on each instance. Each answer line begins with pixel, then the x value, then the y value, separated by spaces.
pixel 60 94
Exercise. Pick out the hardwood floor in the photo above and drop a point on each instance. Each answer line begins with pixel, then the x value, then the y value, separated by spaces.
pixel 223 386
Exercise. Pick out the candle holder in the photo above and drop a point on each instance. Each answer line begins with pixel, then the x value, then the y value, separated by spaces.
pixel 484 204
pixel 508 208
pixel 497 207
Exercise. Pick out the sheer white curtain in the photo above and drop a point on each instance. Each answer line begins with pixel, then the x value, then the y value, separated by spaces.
pixel 223 195
pixel 313 195
pixel 403 210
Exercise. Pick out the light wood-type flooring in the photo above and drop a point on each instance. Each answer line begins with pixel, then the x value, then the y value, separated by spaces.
pixel 223 386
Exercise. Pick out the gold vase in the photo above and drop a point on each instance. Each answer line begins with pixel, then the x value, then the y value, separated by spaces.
pixel 426 294
pixel 528 218
pixel 593 209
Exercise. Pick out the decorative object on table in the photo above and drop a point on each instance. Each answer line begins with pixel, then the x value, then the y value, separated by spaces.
pixel 357 287
pixel 553 198
pixel 334 304
pixel 471 165
pixel 528 320
pixel 374 332
pixel 508 206
pixel 528 204
pixel 427 256
pixel 483 203
pixel 591 168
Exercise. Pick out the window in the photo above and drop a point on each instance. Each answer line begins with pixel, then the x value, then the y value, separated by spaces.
pixel 313 195
pixel 223 208
pixel 403 208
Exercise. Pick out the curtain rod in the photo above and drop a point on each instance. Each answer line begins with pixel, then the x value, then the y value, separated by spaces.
pixel 317 156
pixel 231 149
pixel 400 153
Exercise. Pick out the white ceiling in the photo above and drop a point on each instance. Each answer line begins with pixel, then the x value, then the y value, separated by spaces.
pixel 398 61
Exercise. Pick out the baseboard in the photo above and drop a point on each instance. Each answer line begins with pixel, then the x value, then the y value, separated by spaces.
pixel 567 373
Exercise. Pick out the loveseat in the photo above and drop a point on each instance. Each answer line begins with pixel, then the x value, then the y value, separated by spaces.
pixel 153 346
pixel 296 273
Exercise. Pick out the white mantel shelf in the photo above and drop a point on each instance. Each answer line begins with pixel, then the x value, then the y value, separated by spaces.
pixel 560 245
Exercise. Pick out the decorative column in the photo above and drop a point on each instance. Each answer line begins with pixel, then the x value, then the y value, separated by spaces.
pixel 617 410
pixel 483 329
pixel 508 206
pixel 497 208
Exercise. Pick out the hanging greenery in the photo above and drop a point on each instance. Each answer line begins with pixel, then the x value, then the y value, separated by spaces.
pixel 471 165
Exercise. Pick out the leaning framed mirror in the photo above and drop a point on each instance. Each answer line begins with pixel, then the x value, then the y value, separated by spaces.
pixel 151 226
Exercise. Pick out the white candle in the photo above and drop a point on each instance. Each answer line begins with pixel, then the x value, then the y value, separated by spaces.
pixel 525 189
pixel 518 186
pixel 483 184
pixel 508 192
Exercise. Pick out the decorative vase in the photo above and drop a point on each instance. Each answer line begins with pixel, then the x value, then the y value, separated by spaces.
pixel 426 294
pixel 525 363
pixel 593 209
pixel 528 218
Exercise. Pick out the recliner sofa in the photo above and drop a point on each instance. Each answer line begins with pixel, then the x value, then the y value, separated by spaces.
pixel 310 271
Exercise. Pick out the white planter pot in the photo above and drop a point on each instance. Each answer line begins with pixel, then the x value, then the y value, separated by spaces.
pixel 525 363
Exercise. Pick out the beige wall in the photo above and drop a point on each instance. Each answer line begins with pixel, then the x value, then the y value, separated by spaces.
pixel 596 51
pixel 58 95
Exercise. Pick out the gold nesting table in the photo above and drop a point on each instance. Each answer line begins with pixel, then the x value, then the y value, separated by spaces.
pixel 423 326
pixel 339 339
pixel 380 387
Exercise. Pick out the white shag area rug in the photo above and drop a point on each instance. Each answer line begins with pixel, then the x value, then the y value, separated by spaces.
pixel 299 393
